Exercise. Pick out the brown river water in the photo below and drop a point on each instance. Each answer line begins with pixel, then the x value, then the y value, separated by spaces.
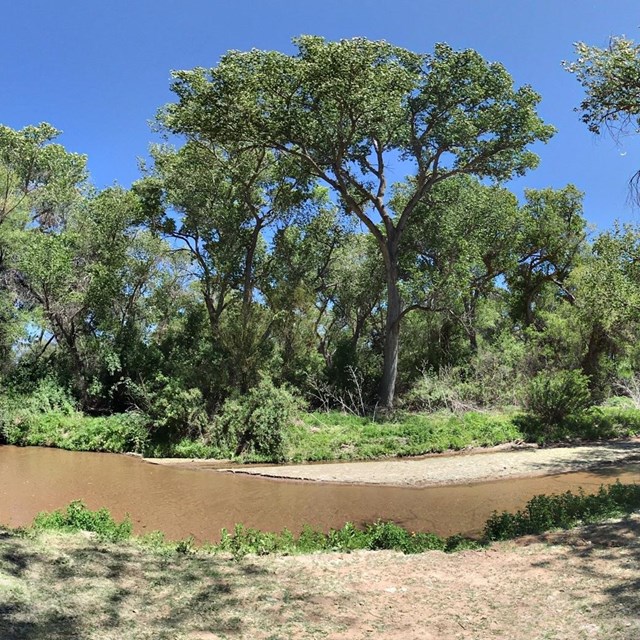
pixel 199 503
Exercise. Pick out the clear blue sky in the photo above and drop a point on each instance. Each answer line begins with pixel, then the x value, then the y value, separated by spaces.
pixel 99 70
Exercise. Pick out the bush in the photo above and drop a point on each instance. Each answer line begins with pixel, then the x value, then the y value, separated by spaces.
pixel 173 412
pixel 376 536
pixel 118 433
pixel 67 428
pixel 442 390
pixel 563 511
pixel 596 423
pixel 185 448
pixel 19 413
pixel 554 396
pixel 257 422
pixel 76 517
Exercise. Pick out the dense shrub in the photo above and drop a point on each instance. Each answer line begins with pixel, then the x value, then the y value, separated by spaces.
pixel 34 422
pixel 553 397
pixel 173 411
pixel 491 379
pixel 376 536
pixel 563 511
pixel 596 423
pixel 184 448
pixel 257 422
pixel 76 517
pixel 436 391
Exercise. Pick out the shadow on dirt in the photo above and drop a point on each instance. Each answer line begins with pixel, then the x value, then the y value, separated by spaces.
pixel 83 589
pixel 607 553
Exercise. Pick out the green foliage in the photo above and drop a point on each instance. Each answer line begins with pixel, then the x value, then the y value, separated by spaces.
pixel 564 511
pixel 287 230
pixel 185 448
pixel 77 517
pixel 611 78
pixel 333 106
pixel 596 423
pixel 48 417
pixel 257 423
pixel 555 396
pixel 373 537
pixel 339 436
pixel 447 389
pixel 173 411
pixel 44 397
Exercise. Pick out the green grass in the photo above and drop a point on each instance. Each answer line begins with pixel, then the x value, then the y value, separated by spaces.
pixel 76 517
pixel 337 436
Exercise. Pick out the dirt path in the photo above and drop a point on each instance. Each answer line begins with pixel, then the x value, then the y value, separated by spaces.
pixel 457 469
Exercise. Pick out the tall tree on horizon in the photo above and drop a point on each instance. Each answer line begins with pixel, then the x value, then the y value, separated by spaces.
pixel 356 113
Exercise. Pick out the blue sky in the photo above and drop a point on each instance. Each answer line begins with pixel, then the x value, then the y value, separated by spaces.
pixel 100 70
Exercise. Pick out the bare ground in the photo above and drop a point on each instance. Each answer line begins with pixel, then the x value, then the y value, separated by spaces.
pixel 577 585
pixel 471 466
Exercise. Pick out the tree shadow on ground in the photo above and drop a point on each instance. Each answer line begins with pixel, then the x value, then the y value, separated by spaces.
pixel 605 554
pixel 81 588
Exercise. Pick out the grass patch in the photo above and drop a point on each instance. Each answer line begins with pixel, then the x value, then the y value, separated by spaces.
pixel 373 537
pixel 337 436
pixel 76 517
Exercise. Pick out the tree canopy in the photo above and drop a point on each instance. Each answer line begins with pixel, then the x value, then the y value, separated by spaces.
pixel 351 113
pixel 334 224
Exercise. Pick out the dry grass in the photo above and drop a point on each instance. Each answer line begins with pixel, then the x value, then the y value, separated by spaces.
pixel 582 584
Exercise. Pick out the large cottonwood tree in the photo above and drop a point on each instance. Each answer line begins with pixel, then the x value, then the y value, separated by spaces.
pixel 360 114
pixel 610 77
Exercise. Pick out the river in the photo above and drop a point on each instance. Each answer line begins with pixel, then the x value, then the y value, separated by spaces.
pixel 199 503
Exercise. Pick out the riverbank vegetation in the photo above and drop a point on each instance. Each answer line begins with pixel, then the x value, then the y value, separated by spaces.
pixel 541 514
pixel 266 292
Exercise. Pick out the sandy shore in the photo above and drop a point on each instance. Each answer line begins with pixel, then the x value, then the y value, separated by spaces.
pixel 461 468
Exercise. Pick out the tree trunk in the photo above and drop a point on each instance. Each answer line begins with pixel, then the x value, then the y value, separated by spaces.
pixel 392 330
pixel 247 293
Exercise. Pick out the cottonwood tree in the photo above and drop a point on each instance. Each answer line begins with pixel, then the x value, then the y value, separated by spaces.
pixel 216 203
pixel 548 245
pixel 611 79
pixel 607 303
pixel 39 182
pixel 357 114
pixel 88 280
pixel 464 237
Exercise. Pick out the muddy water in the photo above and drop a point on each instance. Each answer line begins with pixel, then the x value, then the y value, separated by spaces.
pixel 184 502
